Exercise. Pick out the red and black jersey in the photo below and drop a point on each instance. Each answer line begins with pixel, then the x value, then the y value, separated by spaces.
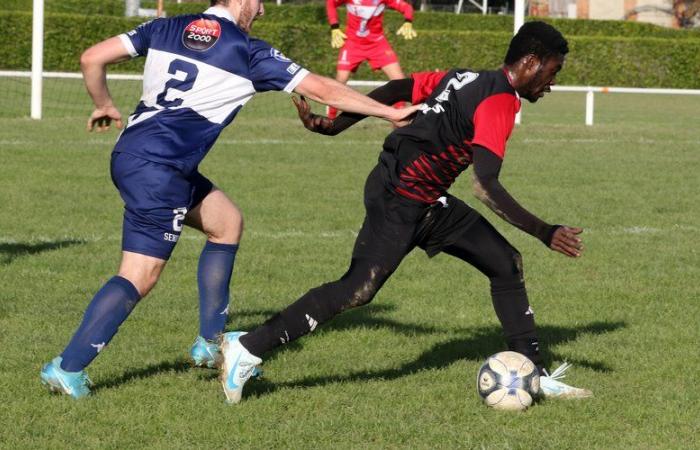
pixel 423 159
pixel 424 83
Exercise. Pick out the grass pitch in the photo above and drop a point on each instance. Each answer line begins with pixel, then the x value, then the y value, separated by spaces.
pixel 399 373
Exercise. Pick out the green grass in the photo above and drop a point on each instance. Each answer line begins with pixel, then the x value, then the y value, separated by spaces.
pixel 399 373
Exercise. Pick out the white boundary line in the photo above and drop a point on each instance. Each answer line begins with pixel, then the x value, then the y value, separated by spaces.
pixel 336 234
pixel 589 90
pixel 366 83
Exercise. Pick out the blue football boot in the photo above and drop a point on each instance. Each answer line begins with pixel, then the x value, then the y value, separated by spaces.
pixel 206 353
pixel 75 384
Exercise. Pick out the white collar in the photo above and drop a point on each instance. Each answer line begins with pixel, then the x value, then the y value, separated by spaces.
pixel 220 11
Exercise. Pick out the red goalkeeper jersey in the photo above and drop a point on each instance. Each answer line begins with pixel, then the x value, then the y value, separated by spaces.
pixel 365 17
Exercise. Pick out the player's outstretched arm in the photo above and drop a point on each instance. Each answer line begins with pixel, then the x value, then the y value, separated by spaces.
pixel 389 93
pixel 406 30
pixel 332 93
pixel 93 63
pixel 337 35
pixel 489 190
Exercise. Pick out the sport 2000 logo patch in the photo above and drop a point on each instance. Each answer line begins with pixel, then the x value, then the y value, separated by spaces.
pixel 201 34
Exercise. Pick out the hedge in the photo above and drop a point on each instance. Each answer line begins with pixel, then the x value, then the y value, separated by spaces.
pixel 594 60
pixel 315 14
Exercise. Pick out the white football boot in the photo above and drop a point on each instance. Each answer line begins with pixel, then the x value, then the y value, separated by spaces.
pixel 551 387
pixel 237 366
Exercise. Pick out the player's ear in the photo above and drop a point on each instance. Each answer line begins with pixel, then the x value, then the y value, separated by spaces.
pixel 531 63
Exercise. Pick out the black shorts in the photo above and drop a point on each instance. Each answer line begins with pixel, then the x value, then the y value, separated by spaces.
pixel 395 225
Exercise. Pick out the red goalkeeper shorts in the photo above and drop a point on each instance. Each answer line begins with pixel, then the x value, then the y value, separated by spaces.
pixel 354 53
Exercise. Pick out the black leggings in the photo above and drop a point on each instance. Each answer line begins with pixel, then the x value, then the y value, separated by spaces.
pixel 481 245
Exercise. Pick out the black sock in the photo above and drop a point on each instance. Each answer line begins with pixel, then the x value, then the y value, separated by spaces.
pixel 301 317
pixel 516 316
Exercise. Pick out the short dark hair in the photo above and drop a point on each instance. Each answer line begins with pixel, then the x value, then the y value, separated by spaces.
pixel 218 2
pixel 536 38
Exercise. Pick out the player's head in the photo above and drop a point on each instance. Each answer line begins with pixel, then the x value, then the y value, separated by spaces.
pixel 535 56
pixel 243 11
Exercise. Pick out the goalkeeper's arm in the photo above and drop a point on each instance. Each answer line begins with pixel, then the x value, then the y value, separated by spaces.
pixel 392 92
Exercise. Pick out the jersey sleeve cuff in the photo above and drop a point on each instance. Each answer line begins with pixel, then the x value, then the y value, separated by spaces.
pixel 501 154
pixel 128 45
pixel 296 80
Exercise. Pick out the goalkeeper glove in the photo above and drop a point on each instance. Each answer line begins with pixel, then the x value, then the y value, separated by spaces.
pixel 337 36
pixel 407 31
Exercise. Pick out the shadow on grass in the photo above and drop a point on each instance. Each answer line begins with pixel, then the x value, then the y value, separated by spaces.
pixel 365 317
pixel 177 366
pixel 477 346
pixel 10 251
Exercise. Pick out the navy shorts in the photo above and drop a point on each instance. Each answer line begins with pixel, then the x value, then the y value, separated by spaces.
pixel 157 197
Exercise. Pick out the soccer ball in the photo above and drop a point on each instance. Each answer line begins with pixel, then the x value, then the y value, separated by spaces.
pixel 508 381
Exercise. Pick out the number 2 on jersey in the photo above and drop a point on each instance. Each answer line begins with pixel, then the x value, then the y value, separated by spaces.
pixel 191 71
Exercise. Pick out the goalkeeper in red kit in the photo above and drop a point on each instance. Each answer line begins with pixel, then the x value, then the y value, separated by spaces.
pixel 364 40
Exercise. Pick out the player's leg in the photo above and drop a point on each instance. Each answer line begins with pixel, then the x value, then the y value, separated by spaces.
pixel 110 307
pixel 393 71
pixel 319 305
pixel 379 248
pixel 222 222
pixel 385 57
pixel 349 59
pixel 107 310
pixel 342 76
pixel 150 232
pixel 381 245
pixel 485 248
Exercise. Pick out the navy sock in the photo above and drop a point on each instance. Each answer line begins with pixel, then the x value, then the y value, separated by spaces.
pixel 108 309
pixel 213 278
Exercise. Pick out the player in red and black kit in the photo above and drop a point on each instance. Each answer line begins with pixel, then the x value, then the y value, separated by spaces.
pixel 364 38
pixel 466 120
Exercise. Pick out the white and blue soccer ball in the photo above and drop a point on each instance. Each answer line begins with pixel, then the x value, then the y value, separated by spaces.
pixel 508 381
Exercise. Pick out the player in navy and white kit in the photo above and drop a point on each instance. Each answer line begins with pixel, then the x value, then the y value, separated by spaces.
pixel 466 120
pixel 200 71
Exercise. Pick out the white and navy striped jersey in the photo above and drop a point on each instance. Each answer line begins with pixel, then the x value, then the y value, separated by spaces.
pixel 200 70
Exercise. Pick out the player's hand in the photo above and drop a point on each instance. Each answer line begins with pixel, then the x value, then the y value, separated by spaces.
pixel 337 38
pixel 312 122
pixel 101 119
pixel 565 240
pixel 407 31
pixel 404 116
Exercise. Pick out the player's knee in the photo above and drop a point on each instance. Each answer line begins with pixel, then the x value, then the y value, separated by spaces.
pixel 143 283
pixel 363 292
pixel 509 265
pixel 143 280
pixel 230 230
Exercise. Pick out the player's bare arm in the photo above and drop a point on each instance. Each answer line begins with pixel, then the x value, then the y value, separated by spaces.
pixel 93 63
pixel 332 93
pixel 389 93
pixel 490 191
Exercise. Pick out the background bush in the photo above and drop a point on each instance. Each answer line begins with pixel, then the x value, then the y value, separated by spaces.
pixel 602 52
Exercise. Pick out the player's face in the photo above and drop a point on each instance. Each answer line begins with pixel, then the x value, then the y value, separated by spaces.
pixel 250 10
pixel 542 78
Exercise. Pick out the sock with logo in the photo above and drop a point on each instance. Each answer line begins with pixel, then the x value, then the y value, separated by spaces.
pixel 516 316
pixel 296 320
pixel 213 278
pixel 108 309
